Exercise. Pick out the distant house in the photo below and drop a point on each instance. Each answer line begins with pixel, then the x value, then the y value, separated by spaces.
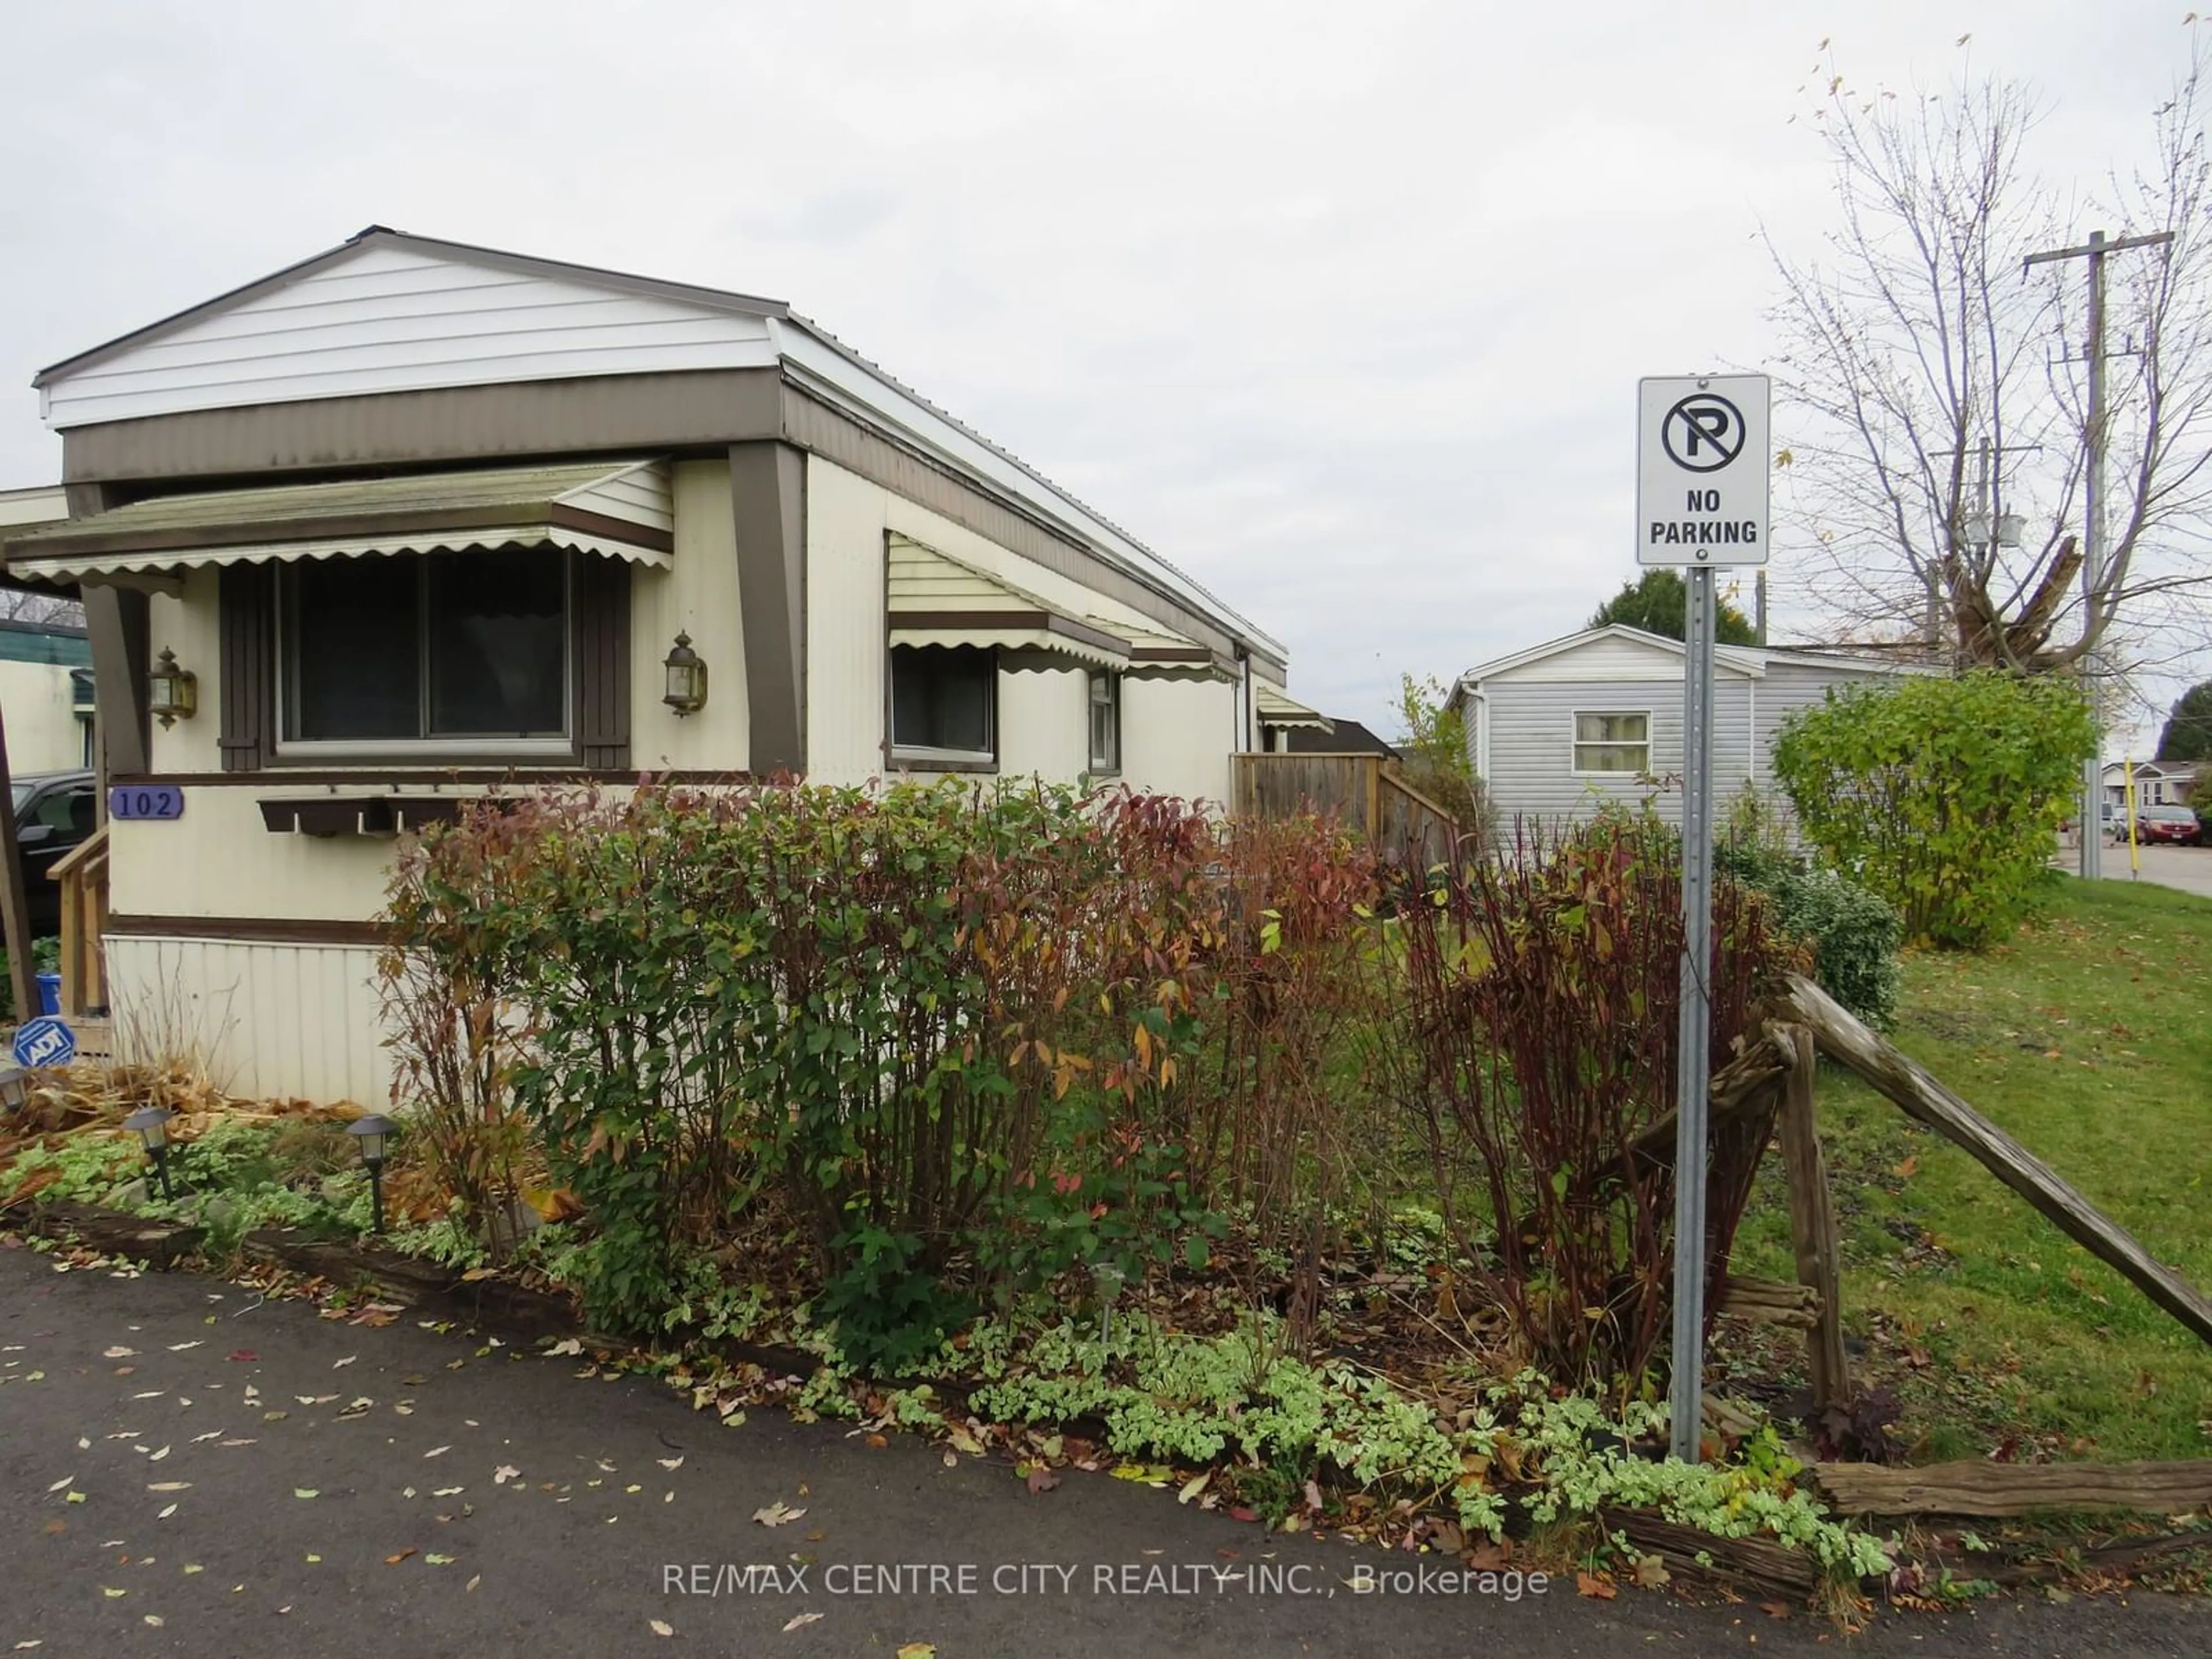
pixel 1559 729
pixel 2157 783
pixel 1343 737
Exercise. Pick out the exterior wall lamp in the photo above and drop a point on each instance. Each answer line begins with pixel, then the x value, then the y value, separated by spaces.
pixel 686 690
pixel 172 692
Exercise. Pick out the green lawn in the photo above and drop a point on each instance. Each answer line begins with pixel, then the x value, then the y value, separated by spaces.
pixel 2089 1038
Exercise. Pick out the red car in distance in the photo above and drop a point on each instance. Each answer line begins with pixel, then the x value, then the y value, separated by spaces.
pixel 2173 825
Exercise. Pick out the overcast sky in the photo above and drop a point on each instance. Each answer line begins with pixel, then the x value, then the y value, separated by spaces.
pixel 1339 308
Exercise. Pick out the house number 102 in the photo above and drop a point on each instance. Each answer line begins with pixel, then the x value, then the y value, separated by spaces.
pixel 145 800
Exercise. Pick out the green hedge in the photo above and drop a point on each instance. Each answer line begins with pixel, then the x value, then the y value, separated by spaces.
pixel 1853 932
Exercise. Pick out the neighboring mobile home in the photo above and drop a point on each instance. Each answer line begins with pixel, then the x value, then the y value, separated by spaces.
pixel 418 518
pixel 2157 783
pixel 1557 730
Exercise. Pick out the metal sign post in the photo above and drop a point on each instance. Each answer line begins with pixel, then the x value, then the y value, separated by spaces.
pixel 1701 501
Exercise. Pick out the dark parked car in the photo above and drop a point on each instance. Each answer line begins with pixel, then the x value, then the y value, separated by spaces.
pixel 54 813
pixel 2176 825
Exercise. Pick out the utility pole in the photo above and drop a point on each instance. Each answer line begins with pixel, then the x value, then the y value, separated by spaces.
pixel 2093 514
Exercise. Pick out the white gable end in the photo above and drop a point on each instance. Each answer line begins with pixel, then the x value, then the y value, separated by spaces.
pixel 383 318
pixel 1602 658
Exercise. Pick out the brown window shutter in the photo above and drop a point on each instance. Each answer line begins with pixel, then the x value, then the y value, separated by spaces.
pixel 248 605
pixel 602 655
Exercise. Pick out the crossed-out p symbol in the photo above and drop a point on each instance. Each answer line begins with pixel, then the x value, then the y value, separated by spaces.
pixel 1703 432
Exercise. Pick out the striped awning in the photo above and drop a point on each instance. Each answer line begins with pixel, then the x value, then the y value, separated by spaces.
pixel 1278 708
pixel 621 509
pixel 936 600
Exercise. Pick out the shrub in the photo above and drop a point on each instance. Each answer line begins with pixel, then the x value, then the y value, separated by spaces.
pixel 1539 1035
pixel 1943 795
pixel 970 1043
pixel 1853 932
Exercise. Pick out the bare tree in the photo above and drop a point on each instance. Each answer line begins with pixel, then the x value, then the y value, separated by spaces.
pixel 1932 386
pixel 24 605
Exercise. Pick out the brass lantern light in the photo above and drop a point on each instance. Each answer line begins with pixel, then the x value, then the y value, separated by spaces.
pixel 173 693
pixel 686 690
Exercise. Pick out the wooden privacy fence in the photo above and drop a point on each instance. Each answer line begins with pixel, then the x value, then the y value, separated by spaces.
pixel 1365 790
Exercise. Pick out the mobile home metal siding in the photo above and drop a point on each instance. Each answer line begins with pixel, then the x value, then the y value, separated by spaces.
pixel 394 319
pixel 1531 744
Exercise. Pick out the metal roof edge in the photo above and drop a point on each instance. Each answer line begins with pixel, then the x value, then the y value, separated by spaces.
pixel 1072 513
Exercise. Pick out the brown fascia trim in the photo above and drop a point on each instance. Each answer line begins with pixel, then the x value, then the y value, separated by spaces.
pixel 838 436
pixel 705 410
pixel 698 409
pixel 356 526
pixel 1009 622
pixel 249 930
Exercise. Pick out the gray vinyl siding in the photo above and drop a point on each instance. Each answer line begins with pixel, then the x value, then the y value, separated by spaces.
pixel 1531 738
pixel 1531 773
pixel 1787 688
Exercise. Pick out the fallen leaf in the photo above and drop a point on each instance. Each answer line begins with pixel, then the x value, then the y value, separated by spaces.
pixel 155 1620
pixel 436 1560
pixel 165 1513
pixel 305 1491
pixel 61 1483
pixel 169 1486
pixel 1591 1583
pixel 503 1474
pixel 1040 1480
pixel 1651 1572
pixel 1774 1609
pixel 670 1463
pixel 437 1451
pixel 799 1620
pixel 348 1360
pixel 1193 1486
pixel 473 1583
pixel 918 1651
pixel 118 1353
pixel 245 1355
pixel 394 1561
pixel 178 1347
pixel 114 1594
pixel 778 1514
pixel 661 1627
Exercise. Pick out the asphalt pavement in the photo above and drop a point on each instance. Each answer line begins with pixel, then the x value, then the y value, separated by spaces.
pixel 187 1470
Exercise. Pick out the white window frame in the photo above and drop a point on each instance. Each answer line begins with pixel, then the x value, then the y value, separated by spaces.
pixel 563 747
pixel 924 755
pixel 1106 765
pixel 1576 743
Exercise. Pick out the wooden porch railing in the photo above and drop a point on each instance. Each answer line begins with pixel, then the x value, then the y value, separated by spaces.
pixel 1365 790
pixel 83 876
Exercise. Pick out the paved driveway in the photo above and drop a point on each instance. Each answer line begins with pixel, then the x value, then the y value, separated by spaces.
pixel 186 1470
pixel 2189 868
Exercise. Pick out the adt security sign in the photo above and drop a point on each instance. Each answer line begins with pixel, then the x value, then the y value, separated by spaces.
pixel 44 1042
pixel 1701 470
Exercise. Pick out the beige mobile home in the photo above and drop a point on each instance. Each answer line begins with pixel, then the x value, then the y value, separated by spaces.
pixel 414 517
